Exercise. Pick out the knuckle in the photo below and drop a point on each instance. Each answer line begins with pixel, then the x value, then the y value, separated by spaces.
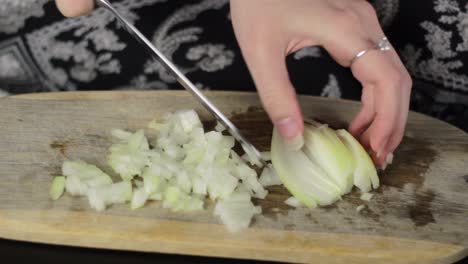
pixel 346 18
pixel 366 8
pixel 397 79
pixel 391 77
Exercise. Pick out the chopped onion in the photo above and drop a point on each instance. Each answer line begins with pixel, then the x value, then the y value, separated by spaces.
pixel 326 168
pixel 250 181
pixel 57 187
pixel 81 176
pixel 138 183
pixel 364 174
pixel 219 127
pixel 366 196
pixel 102 196
pixel 323 146
pixel 220 185
pixel 129 157
pixel 266 155
pixel 177 200
pixel 153 183
pixel 236 211
pixel 183 181
pixel 75 187
pixel 139 198
pixel 156 197
pixel 303 178
pixel 188 119
pixel 199 185
pixel 120 134
pixel 269 177
pixel 251 157
pixel 360 207
pixel 184 165
pixel 293 202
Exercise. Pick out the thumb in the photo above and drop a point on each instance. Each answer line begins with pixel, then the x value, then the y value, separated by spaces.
pixel 73 8
pixel 268 68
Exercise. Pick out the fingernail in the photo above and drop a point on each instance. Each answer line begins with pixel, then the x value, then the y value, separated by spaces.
pixel 296 143
pixel 389 158
pixel 378 154
pixel 289 130
pixel 383 166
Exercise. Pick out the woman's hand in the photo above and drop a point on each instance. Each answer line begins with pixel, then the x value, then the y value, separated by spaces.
pixel 268 30
pixel 72 8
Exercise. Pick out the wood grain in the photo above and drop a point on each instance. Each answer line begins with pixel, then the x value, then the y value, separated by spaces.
pixel 418 215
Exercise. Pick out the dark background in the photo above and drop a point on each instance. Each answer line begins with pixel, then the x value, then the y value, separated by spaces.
pixel 22 252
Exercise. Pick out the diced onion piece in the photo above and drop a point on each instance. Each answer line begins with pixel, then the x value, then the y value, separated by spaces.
pixel 102 196
pixel 120 192
pixel 303 178
pixel 199 185
pixel 57 187
pixel 176 200
pixel 193 154
pixel 183 181
pixel 235 157
pixel 251 157
pixel 323 146
pixel 120 134
pixel 236 211
pixel 269 177
pixel 266 155
pixel 366 196
pixel 160 127
pixel 138 183
pixel 139 198
pixel 152 183
pixel 360 207
pixel 220 185
pixel 156 197
pixel 188 119
pixel 75 186
pixel 80 176
pixel 184 165
pixel 364 174
pixel 250 181
pixel 130 157
pixel 219 127
pixel 293 202
pixel 96 199
pixel 90 174
pixel 138 141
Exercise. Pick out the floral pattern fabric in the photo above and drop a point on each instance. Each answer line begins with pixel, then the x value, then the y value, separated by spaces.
pixel 42 51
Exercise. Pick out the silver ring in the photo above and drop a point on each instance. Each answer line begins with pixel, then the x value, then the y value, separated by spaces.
pixel 382 45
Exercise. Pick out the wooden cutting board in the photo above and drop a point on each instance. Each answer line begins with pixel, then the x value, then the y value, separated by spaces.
pixel 418 215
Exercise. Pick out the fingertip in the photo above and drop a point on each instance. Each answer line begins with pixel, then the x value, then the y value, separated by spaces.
pixel 377 154
pixel 74 8
pixel 360 123
pixel 291 129
pixel 268 68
